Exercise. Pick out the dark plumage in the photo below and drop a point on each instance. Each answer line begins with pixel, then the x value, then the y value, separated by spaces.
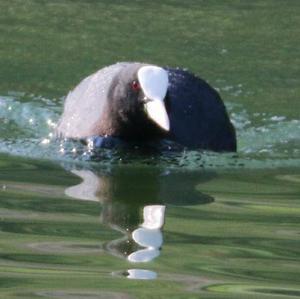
pixel 197 114
pixel 132 103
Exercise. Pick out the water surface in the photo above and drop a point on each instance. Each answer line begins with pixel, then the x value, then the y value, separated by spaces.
pixel 75 223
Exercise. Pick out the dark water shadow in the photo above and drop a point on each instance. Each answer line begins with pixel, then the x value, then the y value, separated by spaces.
pixel 124 191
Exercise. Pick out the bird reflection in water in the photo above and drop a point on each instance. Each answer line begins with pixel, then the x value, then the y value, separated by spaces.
pixel 126 192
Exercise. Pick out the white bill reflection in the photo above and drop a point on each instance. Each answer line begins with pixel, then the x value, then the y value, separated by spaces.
pixel 149 236
pixel 141 274
pixel 133 203
pixel 142 238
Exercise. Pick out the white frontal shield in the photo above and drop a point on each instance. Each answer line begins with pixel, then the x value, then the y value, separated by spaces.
pixel 154 83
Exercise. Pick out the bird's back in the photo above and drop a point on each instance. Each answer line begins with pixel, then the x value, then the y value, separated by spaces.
pixel 85 104
pixel 198 117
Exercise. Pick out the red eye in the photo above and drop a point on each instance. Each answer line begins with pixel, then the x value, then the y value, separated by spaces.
pixel 135 85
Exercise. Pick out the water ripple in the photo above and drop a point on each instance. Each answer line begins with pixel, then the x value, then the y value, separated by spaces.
pixel 264 141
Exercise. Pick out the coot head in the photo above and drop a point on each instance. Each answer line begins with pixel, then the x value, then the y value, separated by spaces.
pixel 125 100
pixel 135 103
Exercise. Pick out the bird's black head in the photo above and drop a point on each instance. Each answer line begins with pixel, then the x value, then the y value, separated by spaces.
pixel 136 102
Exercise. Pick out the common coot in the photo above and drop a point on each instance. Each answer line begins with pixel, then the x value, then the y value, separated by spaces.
pixel 143 103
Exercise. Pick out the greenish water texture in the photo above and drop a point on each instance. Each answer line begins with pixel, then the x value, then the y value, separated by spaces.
pixel 69 220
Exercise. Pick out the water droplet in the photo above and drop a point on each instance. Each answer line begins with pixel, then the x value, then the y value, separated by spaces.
pixel 45 141
pixel 277 118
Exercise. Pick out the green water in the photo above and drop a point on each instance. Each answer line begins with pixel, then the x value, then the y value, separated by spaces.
pixel 231 221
